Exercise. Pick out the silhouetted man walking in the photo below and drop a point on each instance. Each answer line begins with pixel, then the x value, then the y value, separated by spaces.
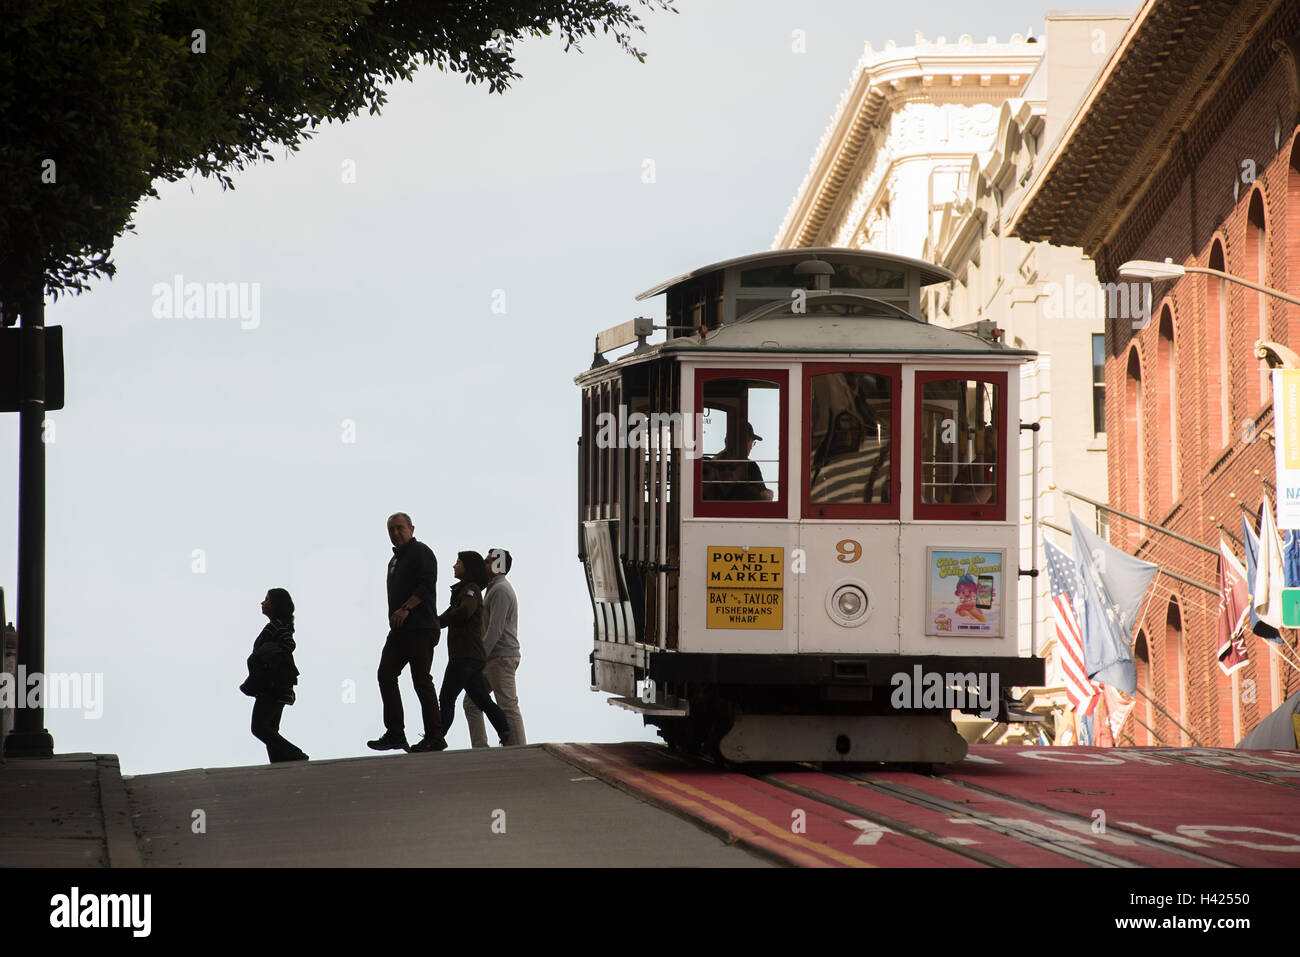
pixel 413 633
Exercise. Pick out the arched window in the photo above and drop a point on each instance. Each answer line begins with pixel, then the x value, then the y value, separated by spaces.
pixel 1216 314
pixel 1142 710
pixel 1257 386
pixel 1135 443
pixel 1175 668
pixel 1167 414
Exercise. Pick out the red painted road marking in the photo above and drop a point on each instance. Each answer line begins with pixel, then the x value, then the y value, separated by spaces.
pixel 991 816
pixel 1228 817
pixel 756 813
pixel 1002 846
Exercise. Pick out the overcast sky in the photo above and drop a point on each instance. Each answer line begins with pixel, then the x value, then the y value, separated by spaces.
pixel 375 322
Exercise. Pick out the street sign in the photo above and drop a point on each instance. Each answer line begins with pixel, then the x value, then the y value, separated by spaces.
pixel 1291 607
pixel 11 353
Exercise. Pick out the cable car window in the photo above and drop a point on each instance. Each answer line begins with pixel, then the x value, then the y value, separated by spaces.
pixel 737 466
pixel 742 443
pixel 849 438
pixel 960 435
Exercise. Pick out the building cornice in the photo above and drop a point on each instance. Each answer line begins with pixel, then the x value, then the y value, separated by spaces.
pixel 964 72
pixel 965 217
pixel 1127 139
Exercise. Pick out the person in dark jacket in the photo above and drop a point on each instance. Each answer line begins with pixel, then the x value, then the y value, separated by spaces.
pixel 412 636
pixel 272 675
pixel 464 621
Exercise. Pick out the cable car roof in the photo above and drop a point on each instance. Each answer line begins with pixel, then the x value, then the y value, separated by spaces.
pixel 928 273
pixel 838 322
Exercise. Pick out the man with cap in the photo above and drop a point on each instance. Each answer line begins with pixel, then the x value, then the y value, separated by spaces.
pixel 738 477
pixel 501 645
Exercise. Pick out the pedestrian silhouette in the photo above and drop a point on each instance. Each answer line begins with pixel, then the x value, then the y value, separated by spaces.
pixel 272 675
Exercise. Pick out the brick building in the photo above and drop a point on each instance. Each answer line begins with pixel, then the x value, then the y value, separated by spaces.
pixel 1186 148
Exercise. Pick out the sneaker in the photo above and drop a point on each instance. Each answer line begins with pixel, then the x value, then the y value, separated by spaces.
pixel 429 743
pixel 389 742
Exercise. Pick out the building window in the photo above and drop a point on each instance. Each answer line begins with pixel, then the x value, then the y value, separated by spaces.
pixel 1135 443
pixel 1256 252
pixel 1217 310
pixel 1167 414
pixel 1099 385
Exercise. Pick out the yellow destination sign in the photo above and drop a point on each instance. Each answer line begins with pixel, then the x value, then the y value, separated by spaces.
pixel 745 587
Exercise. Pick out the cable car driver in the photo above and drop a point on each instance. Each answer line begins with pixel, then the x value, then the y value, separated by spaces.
pixel 732 477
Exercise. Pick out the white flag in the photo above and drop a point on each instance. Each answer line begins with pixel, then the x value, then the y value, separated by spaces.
pixel 1267 590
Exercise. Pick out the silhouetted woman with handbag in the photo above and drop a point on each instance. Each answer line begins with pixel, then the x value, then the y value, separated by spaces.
pixel 272 675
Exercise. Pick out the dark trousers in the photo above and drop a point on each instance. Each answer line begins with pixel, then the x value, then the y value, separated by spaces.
pixel 266 728
pixel 466 674
pixel 413 646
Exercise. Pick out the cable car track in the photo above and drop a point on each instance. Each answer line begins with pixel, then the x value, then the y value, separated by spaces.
pixel 1075 850
pixel 1240 772
pixel 1139 838
pixel 902 827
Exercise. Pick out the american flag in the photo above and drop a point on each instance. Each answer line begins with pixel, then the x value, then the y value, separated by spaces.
pixel 1065 584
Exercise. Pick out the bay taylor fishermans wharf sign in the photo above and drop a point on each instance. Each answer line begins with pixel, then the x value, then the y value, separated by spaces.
pixel 746 586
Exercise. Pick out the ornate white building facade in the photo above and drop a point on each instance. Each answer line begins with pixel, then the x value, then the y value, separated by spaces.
pixel 926 155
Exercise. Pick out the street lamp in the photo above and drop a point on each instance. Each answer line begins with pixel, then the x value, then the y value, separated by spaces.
pixel 1146 269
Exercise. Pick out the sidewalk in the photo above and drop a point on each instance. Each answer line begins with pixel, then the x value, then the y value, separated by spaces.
pixel 67 811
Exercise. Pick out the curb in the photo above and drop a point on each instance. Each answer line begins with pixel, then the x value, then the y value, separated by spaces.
pixel 119 836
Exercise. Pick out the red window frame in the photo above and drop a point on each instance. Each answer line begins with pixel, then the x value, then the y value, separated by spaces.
pixel 965 511
pixel 833 510
pixel 775 509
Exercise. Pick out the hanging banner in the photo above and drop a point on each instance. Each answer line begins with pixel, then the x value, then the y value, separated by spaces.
pixel 1286 429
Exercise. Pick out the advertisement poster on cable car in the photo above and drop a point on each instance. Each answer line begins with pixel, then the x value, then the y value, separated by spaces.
pixel 964 592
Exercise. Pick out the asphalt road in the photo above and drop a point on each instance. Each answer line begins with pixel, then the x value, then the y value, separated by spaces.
pixel 499 807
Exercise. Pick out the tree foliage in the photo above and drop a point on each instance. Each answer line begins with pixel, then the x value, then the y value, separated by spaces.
pixel 101 99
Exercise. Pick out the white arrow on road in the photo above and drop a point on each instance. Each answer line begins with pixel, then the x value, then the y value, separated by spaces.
pixel 871 831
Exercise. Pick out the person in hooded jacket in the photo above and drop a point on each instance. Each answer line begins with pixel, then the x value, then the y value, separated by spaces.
pixel 464 622
pixel 272 675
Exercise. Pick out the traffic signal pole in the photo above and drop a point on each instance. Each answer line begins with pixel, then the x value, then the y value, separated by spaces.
pixel 29 739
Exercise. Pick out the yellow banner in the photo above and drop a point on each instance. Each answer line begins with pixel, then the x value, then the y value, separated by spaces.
pixel 745 587
pixel 1289 421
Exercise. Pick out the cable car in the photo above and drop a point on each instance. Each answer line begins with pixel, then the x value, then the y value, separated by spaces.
pixel 796 513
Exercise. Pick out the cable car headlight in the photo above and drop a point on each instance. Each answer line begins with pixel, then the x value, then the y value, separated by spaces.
pixel 848 604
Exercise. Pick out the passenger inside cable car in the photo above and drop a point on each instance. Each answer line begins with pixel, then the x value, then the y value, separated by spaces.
pixel 732 473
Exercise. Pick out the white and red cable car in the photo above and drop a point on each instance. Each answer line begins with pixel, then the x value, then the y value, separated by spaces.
pixel 797 510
